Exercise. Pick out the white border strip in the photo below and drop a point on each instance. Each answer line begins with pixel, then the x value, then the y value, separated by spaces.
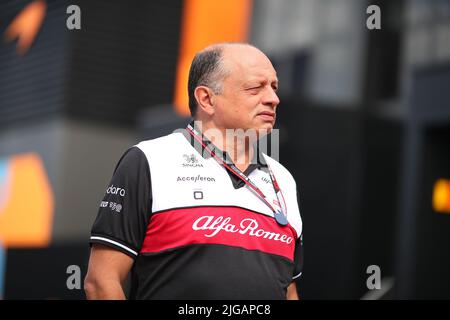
pixel 115 243
pixel 293 278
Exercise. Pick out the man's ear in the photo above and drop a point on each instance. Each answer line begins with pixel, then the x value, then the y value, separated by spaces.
pixel 204 97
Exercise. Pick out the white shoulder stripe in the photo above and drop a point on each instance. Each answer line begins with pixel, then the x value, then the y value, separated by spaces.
pixel 115 243
pixel 293 278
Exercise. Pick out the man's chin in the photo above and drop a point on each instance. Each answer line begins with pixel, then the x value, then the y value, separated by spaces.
pixel 264 130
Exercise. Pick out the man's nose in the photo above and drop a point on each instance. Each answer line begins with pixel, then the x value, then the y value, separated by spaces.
pixel 270 98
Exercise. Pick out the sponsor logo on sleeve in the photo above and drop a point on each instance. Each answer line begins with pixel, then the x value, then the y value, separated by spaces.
pixel 116 190
pixel 115 207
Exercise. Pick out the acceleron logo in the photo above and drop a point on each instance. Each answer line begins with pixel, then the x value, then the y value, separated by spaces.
pixel 26 202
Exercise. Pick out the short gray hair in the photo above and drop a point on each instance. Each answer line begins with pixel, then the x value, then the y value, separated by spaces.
pixel 206 70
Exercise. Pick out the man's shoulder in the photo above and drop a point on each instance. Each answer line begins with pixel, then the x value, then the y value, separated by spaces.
pixel 160 143
pixel 279 169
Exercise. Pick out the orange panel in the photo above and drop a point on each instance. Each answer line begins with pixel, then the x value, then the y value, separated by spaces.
pixel 27 210
pixel 206 22
pixel 441 196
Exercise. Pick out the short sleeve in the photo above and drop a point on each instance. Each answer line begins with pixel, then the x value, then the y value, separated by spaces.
pixel 125 210
pixel 298 258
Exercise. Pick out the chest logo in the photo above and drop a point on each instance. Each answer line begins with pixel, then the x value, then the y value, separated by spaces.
pixel 214 225
pixel 191 161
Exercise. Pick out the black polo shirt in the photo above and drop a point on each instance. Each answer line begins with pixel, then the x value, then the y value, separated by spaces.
pixel 194 229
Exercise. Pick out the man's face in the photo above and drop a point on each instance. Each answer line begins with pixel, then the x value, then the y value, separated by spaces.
pixel 248 99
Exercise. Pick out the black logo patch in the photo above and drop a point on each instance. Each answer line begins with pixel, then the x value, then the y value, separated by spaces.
pixel 198 195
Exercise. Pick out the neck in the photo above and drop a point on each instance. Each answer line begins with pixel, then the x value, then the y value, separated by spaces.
pixel 234 142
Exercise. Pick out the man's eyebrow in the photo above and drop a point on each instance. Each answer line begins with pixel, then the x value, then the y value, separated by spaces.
pixel 260 80
pixel 251 82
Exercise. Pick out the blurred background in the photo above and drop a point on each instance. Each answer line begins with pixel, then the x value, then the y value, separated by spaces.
pixel 364 127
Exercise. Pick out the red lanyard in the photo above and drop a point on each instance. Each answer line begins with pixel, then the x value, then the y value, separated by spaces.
pixel 280 214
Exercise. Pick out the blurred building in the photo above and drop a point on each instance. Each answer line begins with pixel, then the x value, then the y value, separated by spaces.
pixel 364 121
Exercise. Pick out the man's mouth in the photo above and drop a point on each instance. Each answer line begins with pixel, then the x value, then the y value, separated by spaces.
pixel 267 115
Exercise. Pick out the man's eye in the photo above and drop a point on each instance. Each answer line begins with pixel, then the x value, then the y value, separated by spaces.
pixel 254 90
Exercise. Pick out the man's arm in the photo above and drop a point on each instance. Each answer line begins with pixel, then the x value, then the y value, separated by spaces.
pixel 107 271
pixel 291 293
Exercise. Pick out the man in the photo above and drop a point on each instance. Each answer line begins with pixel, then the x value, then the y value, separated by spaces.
pixel 200 214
